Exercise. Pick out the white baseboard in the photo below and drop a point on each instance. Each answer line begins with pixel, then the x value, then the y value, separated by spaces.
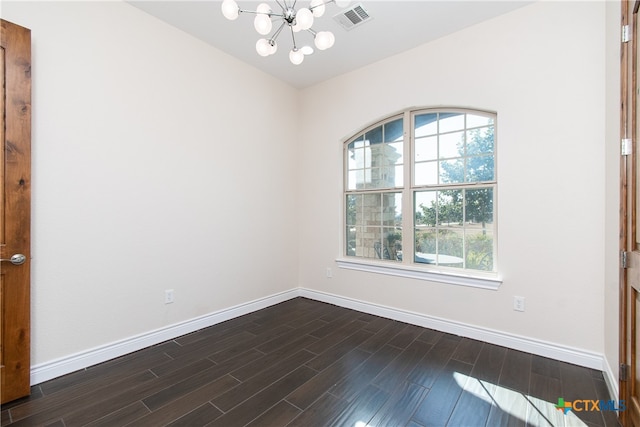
pixel 530 345
pixel 56 368
pixel 65 365
pixel 611 380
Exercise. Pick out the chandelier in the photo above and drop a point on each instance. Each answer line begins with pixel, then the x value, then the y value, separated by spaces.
pixel 296 20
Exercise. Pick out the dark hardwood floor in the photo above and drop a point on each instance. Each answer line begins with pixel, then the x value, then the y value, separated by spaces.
pixel 307 363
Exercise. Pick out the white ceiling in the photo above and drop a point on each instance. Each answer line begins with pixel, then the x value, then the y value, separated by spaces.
pixel 396 26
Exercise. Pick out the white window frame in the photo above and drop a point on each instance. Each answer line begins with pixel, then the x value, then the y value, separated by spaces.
pixel 407 267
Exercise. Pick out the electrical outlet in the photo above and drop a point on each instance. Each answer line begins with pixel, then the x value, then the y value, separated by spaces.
pixel 518 303
pixel 168 296
pixel 329 273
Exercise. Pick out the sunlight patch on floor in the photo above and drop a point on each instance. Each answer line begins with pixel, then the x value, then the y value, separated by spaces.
pixel 534 411
pixel 531 410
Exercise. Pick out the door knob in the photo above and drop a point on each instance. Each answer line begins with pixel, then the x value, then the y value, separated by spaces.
pixel 16 259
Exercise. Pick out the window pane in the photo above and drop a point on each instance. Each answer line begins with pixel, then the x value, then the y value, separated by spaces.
pixel 377 153
pixel 450 122
pixel 384 157
pixel 374 136
pixel 370 209
pixel 392 209
pixel 393 131
pixel 474 121
pixel 453 240
pixel 378 178
pixel 363 157
pixel 351 204
pixel 374 225
pixel 356 158
pixel 356 143
pixel 426 173
pixel 425 208
pixel 354 241
pixel 480 141
pixel 399 177
pixel 479 207
pixel 351 160
pixel 396 149
pixel 388 177
pixel 479 250
pixel 371 242
pixel 452 171
pixel 451 145
pixel 426 148
pixel 392 244
pixel 450 204
pixel 426 124
pixel 441 247
pixel 426 243
pixel 450 246
pixel 356 179
pixel 351 241
pixel 480 169
pixel 363 241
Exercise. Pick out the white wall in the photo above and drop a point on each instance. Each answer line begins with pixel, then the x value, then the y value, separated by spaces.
pixel 612 191
pixel 158 163
pixel 541 68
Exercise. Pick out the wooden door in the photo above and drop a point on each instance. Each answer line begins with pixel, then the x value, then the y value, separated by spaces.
pixel 15 211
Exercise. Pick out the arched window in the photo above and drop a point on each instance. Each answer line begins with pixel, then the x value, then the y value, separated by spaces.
pixel 420 190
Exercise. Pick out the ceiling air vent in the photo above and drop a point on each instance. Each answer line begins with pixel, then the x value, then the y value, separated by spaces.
pixel 352 17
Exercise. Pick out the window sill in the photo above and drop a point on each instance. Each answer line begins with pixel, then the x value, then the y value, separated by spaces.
pixel 484 282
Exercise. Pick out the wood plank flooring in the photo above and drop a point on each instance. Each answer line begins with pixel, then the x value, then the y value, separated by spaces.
pixel 307 363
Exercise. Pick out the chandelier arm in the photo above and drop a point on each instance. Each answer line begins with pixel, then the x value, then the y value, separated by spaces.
pixel 278 31
pixel 281 6
pixel 293 37
pixel 255 12
pixel 324 3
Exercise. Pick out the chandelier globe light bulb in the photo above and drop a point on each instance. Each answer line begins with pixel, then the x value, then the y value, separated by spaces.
pixel 296 56
pixel 324 40
pixel 304 18
pixel 262 24
pixel 263 8
pixel 317 7
pixel 332 38
pixel 230 9
pixel 263 47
